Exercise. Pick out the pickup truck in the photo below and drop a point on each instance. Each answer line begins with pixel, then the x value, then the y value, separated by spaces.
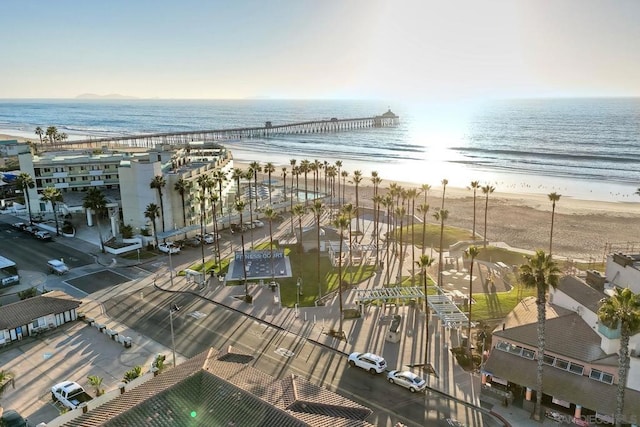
pixel 70 394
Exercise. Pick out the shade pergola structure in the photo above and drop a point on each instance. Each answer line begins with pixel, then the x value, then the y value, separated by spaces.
pixel 441 304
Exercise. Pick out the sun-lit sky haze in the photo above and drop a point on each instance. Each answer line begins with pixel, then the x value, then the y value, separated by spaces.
pixel 409 50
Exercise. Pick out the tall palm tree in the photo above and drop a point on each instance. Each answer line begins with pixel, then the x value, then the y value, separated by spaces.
pixel 39 132
pixel 357 179
pixel 331 173
pixel 441 216
pixel 472 252
pixel 486 190
pixel 621 310
pixel 52 195
pixel 269 168
pixel 270 214
pixel 219 177
pixel 255 169
pixel 318 208
pixel 474 186
pixel 95 201
pixel 341 223
pixel 444 189
pixel 284 182
pixel 400 212
pixel 377 199
pixel 412 194
pixel 203 184
pixel 425 190
pixel 51 133
pixel 424 209
pixel 347 210
pixel 182 186
pixel 540 272
pixel 304 168
pixel 344 175
pixel 387 202
pixel 553 197
pixel 424 262
pixel 24 181
pixel 214 200
pixel 299 211
pixel 237 175
pixel 158 182
pixel 239 207
pixel 292 162
pixel 338 165
pixel 152 212
pixel 248 175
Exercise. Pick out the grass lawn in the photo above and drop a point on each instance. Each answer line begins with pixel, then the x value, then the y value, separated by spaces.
pixel 489 307
pixel 432 236
pixel 494 254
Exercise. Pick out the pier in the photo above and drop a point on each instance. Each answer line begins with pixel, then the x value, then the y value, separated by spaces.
pixel 268 130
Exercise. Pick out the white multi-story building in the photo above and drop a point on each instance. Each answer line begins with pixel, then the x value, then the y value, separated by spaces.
pixel 581 354
pixel 125 175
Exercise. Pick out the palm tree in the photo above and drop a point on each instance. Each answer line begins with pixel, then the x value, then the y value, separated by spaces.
pixel 255 168
pixel 474 186
pixel 400 212
pixel 95 201
pixel 341 223
pixel 441 216
pixel 540 272
pixel 270 214
pixel 318 208
pixel 553 197
pixel 348 210
pixel 357 178
pixel 213 198
pixel 237 175
pixel 344 175
pixel 269 169
pixel 305 167
pixel 424 209
pixel 284 183
pixel 387 202
pixel 412 194
pixel 472 252
pixel 39 132
pixel 219 177
pixel 182 186
pixel 239 207
pixel 158 182
pixel 25 182
pixel 621 310
pixel 299 211
pixel 486 190
pixel 424 262
pixel 51 133
pixel 96 382
pixel 377 199
pixel 249 174
pixel 203 185
pixel 52 195
pixel 292 162
pixel 444 189
pixel 425 190
pixel 152 212
pixel 338 165
pixel 6 378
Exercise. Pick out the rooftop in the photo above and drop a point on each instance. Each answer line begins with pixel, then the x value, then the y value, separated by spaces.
pixel 581 292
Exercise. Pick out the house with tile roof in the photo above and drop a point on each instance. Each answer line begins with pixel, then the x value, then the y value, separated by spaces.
pixel 34 315
pixel 581 360
pixel 220 388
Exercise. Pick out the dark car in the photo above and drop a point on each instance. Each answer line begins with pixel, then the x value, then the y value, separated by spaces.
pixel 11 418
pixel 237 228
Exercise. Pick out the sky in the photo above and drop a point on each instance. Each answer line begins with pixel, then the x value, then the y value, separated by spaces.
pixel 329 49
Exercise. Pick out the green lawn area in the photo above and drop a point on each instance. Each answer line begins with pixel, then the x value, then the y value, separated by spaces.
pixel 432 236
pixel 497 306
pixel 494 254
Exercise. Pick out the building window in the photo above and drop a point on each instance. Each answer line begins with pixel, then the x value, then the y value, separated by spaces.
pixel 576 369
pixel 601 376
pixel 35 323
pixel 549 360
pixel 529 354
pixel 562 364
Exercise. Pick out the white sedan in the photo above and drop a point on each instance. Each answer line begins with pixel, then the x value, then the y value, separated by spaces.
pixel 168 248
pixel 408 380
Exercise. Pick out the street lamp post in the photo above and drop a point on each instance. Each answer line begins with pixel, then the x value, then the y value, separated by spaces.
pixel 172 309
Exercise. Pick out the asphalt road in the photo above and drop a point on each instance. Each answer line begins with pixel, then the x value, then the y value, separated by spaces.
pixel 201 324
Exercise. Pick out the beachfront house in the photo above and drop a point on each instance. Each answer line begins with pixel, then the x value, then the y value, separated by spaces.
pixel 581 360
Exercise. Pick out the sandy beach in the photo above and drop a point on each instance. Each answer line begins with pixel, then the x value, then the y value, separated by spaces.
pixel 582 228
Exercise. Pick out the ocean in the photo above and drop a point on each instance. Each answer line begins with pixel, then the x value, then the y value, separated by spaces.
pixel 581 148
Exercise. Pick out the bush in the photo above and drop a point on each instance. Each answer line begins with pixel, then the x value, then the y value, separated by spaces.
pixel 145 232
pixel 127 231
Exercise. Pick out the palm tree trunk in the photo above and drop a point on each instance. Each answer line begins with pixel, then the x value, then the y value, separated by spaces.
pixel 469 303
pixel 426 319
pixel 623 370
pixel 340 283
pixel 55 216
pixel 541 344
pixel 553 213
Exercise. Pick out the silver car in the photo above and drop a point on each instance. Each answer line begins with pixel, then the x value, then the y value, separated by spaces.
pixel 407 379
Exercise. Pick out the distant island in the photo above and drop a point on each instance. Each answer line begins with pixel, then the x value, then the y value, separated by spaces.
pixel 109 96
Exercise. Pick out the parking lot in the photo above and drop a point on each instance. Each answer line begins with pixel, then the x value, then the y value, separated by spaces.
pixel 70 352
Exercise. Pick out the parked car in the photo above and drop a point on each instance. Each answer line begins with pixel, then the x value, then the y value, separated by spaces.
pixel 408 380
pixel 57 266
pixel 257 223
pixel 248 225
pixel 168 248
pixel 12 418
pixel 70 394
pixel 209 238
pixel 42 235
pixel 19 225
pixel 237 228
pixel 193 242
pixel 368 361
